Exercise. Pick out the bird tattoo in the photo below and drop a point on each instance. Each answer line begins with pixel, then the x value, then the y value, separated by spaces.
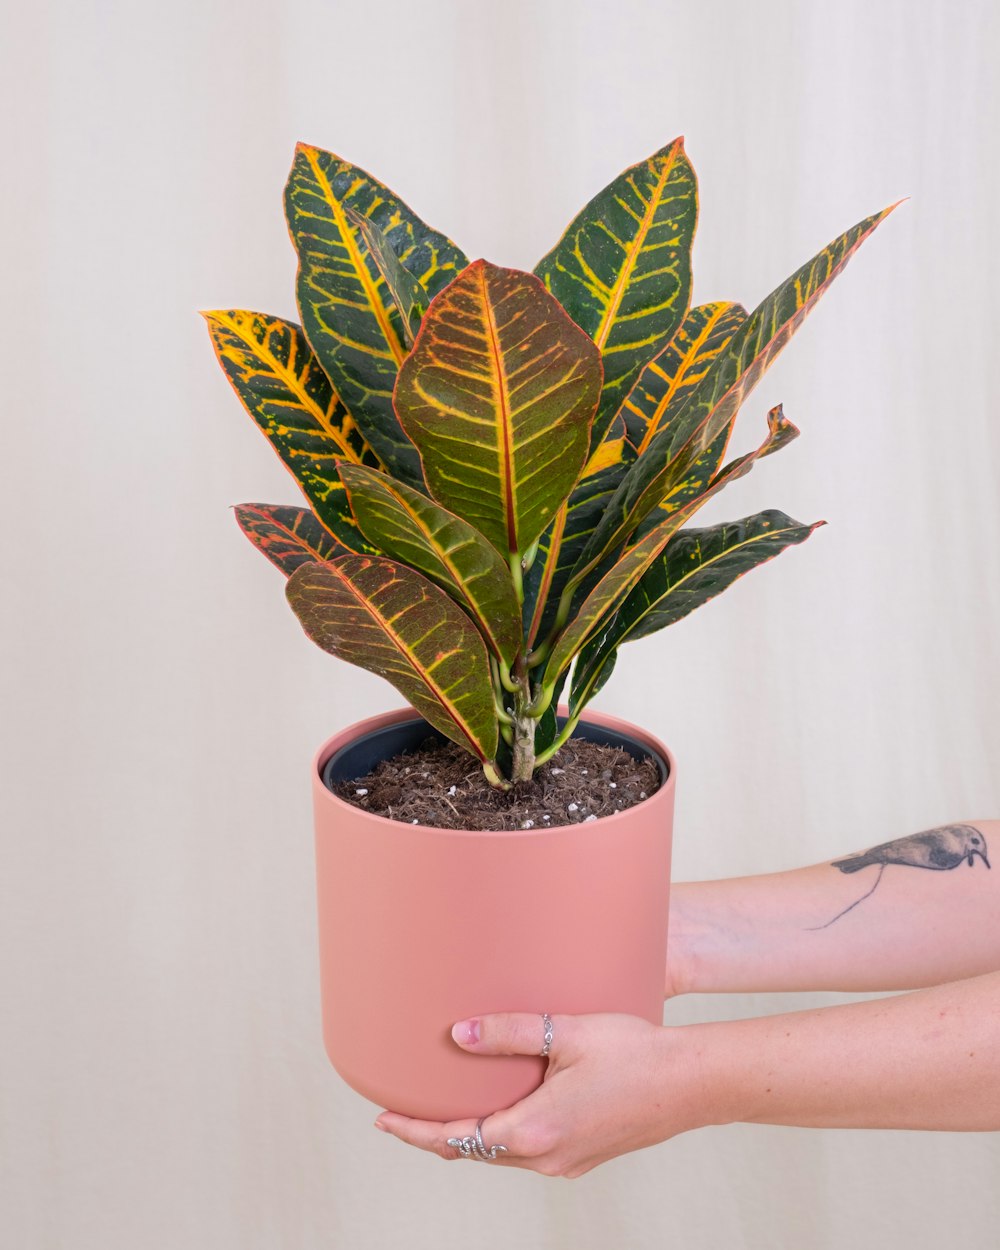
pixel 939 850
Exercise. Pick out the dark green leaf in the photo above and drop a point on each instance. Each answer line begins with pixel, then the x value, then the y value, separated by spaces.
pixel 694 567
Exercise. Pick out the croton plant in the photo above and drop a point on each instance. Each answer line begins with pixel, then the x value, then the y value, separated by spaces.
pixel 501 466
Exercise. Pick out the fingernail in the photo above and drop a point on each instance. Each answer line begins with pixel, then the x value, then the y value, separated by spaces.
pixel 381 1127
pixel 466 1032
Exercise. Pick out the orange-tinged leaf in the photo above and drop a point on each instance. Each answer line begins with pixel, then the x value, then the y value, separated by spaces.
pixel 409 527
pixel 390 620
pixel 498 395
pixel 289 537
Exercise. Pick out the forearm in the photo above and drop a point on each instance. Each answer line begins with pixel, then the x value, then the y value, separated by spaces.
pixel 884 926
pixel 927 1060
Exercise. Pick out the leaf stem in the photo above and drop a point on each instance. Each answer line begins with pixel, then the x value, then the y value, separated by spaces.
pixel 564 736
pixel 540 654
pixel 540 704
pixel 493 777
pixel 506 680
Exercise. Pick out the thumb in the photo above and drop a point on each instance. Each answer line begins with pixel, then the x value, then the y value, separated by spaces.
pixel 505 1033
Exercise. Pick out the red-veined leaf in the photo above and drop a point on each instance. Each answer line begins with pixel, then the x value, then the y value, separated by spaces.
pixel 289 537
pixel 390 620
pixel 409 527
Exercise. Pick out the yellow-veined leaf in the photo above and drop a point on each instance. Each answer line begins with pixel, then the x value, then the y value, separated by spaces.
pixel 498 394
pixel 411 528
pixel 712 404
pixel 274 372
pixel 622 270
pixel 665 383
pixel 561 545
pixel 347 307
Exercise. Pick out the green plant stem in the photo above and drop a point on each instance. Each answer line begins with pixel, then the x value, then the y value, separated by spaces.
pixel 501 677
pixel 565 603
pixel 541 701
pixel 564 737
pixel 540 654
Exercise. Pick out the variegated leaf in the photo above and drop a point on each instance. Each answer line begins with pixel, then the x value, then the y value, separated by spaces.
pixel 282 386
pixel 428 254
pixel 348 311
pixel 712 404
pixel 498 394
pixel 289 537
pixel 390 620
pixel 705 470
pixel 695 566
pixel 622 270
pixel 561 545
pixel 665 383
pixel 409 527
pixel 612 588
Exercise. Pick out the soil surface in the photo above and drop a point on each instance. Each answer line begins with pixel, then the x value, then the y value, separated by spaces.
pixel 441 785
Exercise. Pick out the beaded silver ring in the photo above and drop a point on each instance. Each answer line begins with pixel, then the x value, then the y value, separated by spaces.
pixel 547 1024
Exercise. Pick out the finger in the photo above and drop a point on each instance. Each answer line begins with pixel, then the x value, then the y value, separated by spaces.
pixel 434 1136
pixel 510 1033
pixel 429 1135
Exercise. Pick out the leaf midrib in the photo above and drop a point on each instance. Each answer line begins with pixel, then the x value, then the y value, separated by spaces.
pixel 504 430
pixel 652 429
pixel 645 225
pixel 291 380
pixel 381 316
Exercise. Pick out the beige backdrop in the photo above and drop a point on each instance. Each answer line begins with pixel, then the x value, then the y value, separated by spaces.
pixel 162 1082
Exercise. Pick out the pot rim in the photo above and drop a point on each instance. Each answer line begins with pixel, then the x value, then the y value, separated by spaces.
pixel 347 736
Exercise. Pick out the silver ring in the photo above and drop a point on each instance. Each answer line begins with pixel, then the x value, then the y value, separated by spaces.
pixel 474 1148
pixel 547 1025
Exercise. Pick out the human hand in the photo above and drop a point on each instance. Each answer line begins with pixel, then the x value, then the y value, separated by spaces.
pixel 614 1083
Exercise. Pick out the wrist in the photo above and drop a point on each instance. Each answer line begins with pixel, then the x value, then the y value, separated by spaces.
pixel 688 937
pixel 701 1080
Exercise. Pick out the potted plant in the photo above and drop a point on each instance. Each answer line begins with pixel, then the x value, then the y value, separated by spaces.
pixel 502 468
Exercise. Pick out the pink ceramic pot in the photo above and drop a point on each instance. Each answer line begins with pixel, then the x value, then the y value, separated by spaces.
pixel 421 927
